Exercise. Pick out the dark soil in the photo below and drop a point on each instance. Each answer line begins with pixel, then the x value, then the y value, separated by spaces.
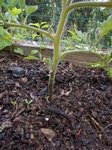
pixel 78 118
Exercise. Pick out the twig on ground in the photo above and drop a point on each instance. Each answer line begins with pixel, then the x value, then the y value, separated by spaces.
pixel 107 126
pixel 78 133
pixel 95 123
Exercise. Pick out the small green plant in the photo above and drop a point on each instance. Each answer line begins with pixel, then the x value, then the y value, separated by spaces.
pixel 58 55
pixel 19 51
pixel 106 64
pixel 36 55
pixel 28 101
pixel 1 129
pixel 13 102
pixel 109 72
pixel 85 41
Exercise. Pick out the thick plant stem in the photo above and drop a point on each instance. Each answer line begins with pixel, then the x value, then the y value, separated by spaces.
pixel 51 85
pixel 67 6
pixel 56 55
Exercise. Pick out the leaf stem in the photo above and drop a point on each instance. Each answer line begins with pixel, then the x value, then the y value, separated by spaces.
pixel 2 18
pixel 89 4
pixel 29 28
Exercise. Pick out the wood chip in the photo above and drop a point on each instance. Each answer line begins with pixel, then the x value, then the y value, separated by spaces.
pixel 32 136
pixel 7 124
pixel 49 134
pixel 24 80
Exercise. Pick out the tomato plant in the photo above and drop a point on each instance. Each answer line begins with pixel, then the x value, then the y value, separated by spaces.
pixel 58 54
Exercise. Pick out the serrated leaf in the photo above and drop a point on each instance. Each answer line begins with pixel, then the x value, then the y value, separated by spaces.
pixel 35 24
pixel 74 35
pixel 106 26
pixel 34 36
pixel 30 9
pixel 42 23
pixel 46 26
pixel 16 11
pixel 79 33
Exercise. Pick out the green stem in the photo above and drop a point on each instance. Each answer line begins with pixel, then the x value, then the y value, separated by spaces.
pixel 58 37
pixel 29 28
pixel 69 1
pixel 89 4
pixel 51 85
pixel 56 54
pixel 2 18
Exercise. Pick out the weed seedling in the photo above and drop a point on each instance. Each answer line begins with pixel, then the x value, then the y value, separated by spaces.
pixel 13 102
pixel 1 129
pixel 28 102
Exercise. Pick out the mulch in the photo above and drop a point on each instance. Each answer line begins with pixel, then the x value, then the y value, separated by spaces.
pixel 78 118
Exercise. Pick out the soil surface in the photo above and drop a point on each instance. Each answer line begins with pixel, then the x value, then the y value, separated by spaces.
pixel 78 118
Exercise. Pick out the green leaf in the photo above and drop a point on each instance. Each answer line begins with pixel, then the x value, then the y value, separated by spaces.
pixel 4 43
pixel 30 9
pixel 5 38
pixel 43 23
pixel 30 57
pixel 74 35
pixel 107 58
pixel 34 36
pixel 46 26
pixel 35 24
pixel 97 65
pixel 48 61
pixel 109 72
pixel 4 32
pixel 106 26
pixel 12 3
pixel 34 52
pixel 1 22
pixel 19 51
pixel 1 2
pixel 22 4
pixel 16 11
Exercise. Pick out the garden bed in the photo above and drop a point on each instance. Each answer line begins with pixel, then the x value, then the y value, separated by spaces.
pixel 78 118
pixel 80 58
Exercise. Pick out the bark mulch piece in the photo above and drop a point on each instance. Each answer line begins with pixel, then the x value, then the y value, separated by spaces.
pixel 78 118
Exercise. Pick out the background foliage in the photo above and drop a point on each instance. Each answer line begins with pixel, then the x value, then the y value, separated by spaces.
pixel 87 19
